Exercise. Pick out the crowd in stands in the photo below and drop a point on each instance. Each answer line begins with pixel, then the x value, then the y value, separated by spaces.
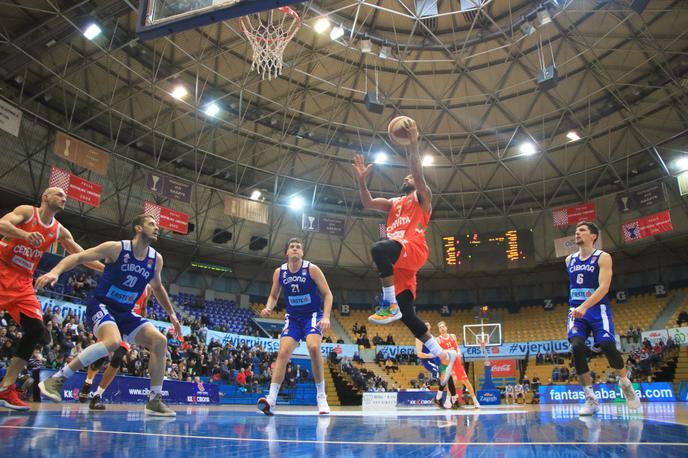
pixel 682 318
pixel 366 380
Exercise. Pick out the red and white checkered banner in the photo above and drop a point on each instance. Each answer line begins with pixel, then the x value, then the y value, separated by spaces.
pixel 167 218
pixel 566 216
pixel 647 226
pixel 76 187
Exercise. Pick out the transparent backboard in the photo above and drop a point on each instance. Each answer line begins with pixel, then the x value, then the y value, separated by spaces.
pixel 490 333
pixel 159 18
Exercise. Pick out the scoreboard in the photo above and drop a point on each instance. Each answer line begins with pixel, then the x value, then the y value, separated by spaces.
pixel 489 250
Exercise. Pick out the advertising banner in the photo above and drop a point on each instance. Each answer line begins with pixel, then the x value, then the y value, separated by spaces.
pixel 167 218
pixel 566 216
pixel 125 389
pixel 393 351
pixel 683 392
pixel 379 401
pixel 489 397
pixel 655 336
pixel 76 187
pixel 647 226
pixel 415 398
pixel 573 394
pixel 504 368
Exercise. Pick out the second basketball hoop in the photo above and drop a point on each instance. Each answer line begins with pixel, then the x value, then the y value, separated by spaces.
pixel 269 33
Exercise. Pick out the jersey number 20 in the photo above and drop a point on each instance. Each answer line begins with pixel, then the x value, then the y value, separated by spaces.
pixel 130 281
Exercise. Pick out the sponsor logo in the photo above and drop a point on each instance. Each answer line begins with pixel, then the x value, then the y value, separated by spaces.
pixel 579 267
pixel 293 279
pixel 126 258
pixel 27 251
pixel 21 262
pixel 399 222
pixel 137 269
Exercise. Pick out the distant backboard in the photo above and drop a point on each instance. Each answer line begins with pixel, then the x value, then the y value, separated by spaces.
pixel 158 18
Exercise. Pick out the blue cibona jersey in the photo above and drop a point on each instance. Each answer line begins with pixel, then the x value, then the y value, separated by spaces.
pixel 584 278
pixel 124 280
pixel 300 291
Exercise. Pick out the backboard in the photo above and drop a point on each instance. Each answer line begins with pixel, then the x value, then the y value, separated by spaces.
pixel 158 18
pixel 489 333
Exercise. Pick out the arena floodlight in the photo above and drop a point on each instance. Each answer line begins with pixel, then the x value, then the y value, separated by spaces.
pixel 527 148
pixel 91 31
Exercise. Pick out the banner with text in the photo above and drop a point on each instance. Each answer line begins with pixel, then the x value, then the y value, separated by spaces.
pixel 81 153
pixel 322 224
pixel 10 118
pixel 565 246
pixel 504 368
pixel 126 389
pixel 167 186
pixel 246 209
pixel 574 394
pixel 566 216
pixel 61 309
pixel 647 226
pixel 167 218
pixel 640 198
pixel 272 345
pixel 76 187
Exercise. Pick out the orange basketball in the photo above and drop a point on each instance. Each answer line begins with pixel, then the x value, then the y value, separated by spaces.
pixel 397 132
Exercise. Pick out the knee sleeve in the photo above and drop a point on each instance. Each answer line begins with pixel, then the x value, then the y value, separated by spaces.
pixel 34 333
pixel 409 317
pixel 385 253
pixel 579 352
pixel 613 355
pixel 451 386
pixel 116 360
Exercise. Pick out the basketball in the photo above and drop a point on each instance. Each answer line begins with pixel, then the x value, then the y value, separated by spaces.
pixel 397 130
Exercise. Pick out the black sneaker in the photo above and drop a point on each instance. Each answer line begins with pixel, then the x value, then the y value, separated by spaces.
pixel 84 392
pixel 96 403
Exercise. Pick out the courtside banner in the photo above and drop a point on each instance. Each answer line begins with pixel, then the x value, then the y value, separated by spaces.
pixel 61 309
pixel 683 392
pixel 504 368
pixel 394 351
pixel 379 401
pixel 124 389
pixel 273 345
pixel 416 398
pixel 573 394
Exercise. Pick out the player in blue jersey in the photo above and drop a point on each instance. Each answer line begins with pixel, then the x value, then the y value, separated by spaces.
pixel 130 265
pixel 432 364
pixel 590 276
pixel 309 302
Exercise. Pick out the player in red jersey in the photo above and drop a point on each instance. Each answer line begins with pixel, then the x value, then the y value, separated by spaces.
pixel 399 257
pixel 115 361
pixel 450 342
pixel 28 232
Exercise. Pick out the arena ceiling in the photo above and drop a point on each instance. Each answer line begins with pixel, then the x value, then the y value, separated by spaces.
pixel 468 78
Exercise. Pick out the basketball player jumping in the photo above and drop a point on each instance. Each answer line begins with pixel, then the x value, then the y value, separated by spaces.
pixel 590 276
pixel 130 266
pixel 115 361
pixel 309 303
pixel 399 257
pixel 27 232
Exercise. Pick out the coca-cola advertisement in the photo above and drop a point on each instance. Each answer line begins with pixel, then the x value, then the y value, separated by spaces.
pixel 503 368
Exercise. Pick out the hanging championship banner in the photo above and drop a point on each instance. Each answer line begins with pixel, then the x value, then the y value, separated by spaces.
pixel 167 186
pixel 81 154
pixel 246 209
pixel 167 218
pixel 565 246
pixel 647 226
pixel 566 216
pixel 76 187
pixel 382 229
pixel 322 224
pixel 640 198
pixel 10 118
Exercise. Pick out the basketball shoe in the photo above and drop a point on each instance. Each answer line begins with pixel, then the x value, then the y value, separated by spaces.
pixel 10 399
pixel 591 406
pixel 632 400
pixel 323 406
pixel 386 313
pixel 265 407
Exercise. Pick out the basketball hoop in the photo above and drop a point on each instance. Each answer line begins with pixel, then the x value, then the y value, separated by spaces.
pixel 269 34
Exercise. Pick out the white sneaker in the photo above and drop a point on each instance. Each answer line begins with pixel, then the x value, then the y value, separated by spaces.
pixel 632 400
pixel 323 406
pixel 591 407
pixel 447 403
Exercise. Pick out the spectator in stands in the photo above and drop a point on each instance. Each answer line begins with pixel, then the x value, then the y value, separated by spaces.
pixel 364 340
pixel 682 318
pixel 340 341
pixel 555 373
pixel 354 328
pixel 357 358
pixel 379 357
pixel 549 382
pixel 564 373
pixel 539 359
pixel 377 340
pixel 390 340
pixel 526 383
pixel 536 383
pixel 389 366
pixel 203 333
pixel 327 339
pixel 241 379
pixel 362 329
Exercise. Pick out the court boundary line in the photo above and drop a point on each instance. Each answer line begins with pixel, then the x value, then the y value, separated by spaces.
pixel 296 441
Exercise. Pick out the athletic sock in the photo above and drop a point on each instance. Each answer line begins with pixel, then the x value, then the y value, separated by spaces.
pixel 439 395
pixel 589 392
pixel 154 389
pixel 319 387
pixel 101 390
pixel 388 294
pixel 625 381
pixel 274 391
pixel 433 347
pixel 65 372
pixel 89 381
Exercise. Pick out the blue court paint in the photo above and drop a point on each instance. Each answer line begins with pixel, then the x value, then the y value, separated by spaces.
pixel 197 431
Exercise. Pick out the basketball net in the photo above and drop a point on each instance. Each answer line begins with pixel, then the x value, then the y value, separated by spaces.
pixel 482 341
pixel 269 34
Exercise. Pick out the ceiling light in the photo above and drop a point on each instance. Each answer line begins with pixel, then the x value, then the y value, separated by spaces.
pixel 366 46
pixel 381 157
pixel 681 163
pixel 321 25
pixel 179 92
pixel 527 148
pixel 92 31
pixel 256 194
pixel 428 160
pixel 212 109
pixel 296 203
pixel 573 136
pixel 544 17
pixel 385 52
pixel 337 32
pixel 527 28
